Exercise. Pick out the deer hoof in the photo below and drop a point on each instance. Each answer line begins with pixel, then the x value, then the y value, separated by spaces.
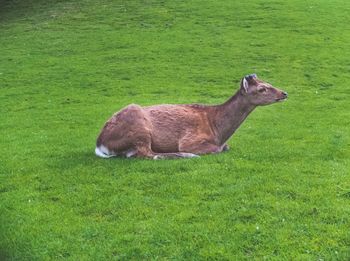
pixel 225 147
pixel 191 155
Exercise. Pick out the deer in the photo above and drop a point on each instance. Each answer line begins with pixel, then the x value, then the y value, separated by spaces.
pixel 169 131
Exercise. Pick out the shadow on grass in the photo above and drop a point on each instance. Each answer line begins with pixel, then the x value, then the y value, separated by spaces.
pixel 9 248
pixel 72 159
pixel 21 9
pixel 85 161
pixel 3 253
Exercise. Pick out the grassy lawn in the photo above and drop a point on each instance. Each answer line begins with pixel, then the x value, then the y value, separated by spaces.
pixel 281 193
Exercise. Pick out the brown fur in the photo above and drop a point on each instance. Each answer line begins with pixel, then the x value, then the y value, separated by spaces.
pixel 171 131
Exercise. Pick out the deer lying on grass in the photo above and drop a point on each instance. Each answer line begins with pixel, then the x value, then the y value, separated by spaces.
pixel 182 131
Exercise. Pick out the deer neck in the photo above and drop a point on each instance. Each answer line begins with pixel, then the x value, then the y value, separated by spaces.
pixel 230 115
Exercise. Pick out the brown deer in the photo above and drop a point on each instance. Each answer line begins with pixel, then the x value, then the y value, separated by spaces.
pixel 182 131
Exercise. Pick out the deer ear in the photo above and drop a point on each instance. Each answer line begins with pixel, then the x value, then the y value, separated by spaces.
pixel 251 76
pixel 245 84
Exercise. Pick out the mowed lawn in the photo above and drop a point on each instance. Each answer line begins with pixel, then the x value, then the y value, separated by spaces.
pixel 281 193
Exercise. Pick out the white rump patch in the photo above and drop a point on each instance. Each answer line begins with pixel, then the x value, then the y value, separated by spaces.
pixel 103 152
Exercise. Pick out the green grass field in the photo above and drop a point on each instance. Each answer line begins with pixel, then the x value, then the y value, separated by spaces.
pixel 281 193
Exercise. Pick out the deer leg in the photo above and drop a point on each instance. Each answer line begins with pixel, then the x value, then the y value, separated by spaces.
pixel 201 147
pixel 153 155
pixel 157 156
pixel 174 155
pixel 145 151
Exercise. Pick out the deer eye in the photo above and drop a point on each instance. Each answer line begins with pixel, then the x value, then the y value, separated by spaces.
pixel 262 89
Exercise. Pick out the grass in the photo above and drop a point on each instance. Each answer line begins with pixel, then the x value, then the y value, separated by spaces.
pixel 281 193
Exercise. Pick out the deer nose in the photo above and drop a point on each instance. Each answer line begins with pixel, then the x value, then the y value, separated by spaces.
pixel 285 94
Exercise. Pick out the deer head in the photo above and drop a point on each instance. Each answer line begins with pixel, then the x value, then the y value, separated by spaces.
pixel 258 92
